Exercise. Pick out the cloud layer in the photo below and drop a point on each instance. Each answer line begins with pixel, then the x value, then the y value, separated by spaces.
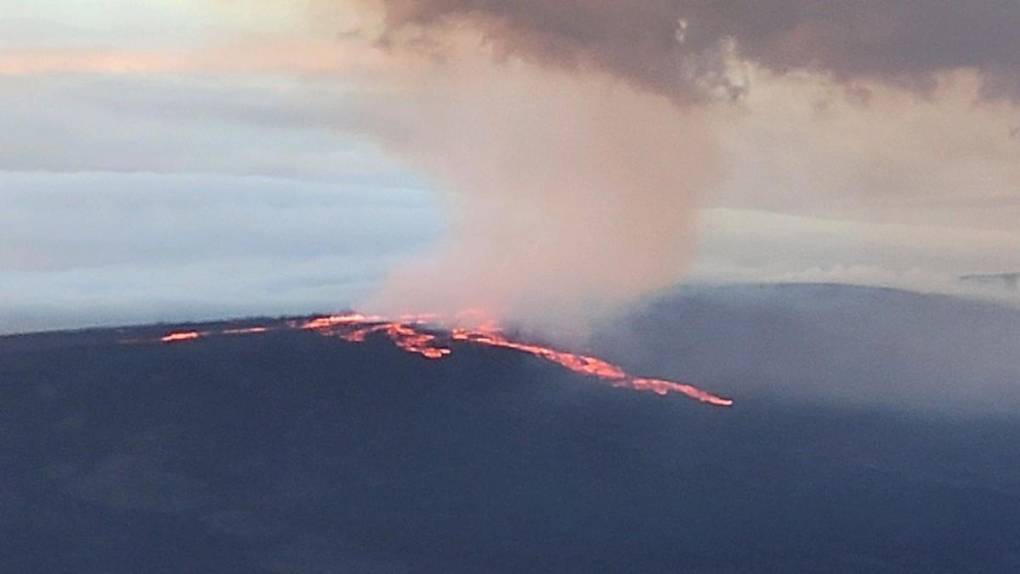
pixel 107 249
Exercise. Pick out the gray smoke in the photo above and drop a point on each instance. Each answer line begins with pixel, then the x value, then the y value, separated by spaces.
pixel 680 47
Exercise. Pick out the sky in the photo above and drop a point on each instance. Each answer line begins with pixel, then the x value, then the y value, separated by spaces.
pixel 169 160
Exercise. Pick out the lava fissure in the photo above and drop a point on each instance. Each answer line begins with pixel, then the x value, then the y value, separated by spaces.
pixel 182 336
pixel 424 335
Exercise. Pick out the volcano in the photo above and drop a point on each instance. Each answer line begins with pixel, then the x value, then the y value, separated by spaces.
pixel 264 447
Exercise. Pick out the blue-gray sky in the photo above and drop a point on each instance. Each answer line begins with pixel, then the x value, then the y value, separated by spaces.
pixel 172 160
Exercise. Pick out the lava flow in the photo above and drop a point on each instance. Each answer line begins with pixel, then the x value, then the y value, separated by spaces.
pixel 423 335
pixel 411 334
pixel 591 366
pixel 181 337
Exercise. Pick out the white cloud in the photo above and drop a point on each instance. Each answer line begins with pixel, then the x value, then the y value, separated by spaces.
pixel 802 145
pixel 754 245
pixel 103 248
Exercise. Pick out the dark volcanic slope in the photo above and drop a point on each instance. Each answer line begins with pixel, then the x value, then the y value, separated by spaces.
pixel 831 344
pixel 292 453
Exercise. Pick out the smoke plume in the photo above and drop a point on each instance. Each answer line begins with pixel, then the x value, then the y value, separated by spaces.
pixel 573 137
pixel 570 193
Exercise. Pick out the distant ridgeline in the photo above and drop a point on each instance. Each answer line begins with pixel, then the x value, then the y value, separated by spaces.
pixel 1007 281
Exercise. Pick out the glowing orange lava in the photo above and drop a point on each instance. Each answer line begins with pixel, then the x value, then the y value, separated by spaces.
pixel 591 366
pixel 181 337
pixel 423 335
pixel 403 336
pixel 407 335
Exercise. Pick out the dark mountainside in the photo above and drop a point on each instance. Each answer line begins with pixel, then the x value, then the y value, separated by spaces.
pixel 831 344
pixel 288 452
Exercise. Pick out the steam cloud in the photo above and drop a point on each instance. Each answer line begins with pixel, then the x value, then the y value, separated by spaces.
pixel 571 134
